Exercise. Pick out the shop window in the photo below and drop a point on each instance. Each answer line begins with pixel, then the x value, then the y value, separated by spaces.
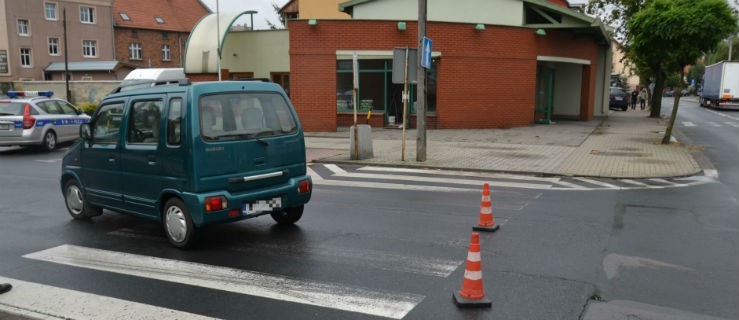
pixel 376 90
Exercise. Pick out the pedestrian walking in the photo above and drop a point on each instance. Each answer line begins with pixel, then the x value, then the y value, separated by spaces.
pixel 634 97
pixel 5 287
pixel 643 98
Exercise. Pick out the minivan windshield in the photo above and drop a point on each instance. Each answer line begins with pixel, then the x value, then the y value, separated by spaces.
pixel 239 116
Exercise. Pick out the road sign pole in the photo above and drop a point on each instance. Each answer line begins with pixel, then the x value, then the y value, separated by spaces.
pixel 421 87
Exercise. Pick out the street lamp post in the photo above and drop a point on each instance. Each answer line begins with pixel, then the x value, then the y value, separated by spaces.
pixel 251 14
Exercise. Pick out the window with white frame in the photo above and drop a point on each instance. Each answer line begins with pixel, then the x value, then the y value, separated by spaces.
pixel 53 46
pixel 89 48
pixel 166 53
pixel 87 14
pixel 50 10
pixel 134 51
pixel 26 57
pixel 23 27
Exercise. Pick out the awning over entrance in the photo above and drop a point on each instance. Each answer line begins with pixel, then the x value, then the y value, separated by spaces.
pixel 201 53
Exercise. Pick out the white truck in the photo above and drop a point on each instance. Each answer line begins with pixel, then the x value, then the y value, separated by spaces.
pixel 721 86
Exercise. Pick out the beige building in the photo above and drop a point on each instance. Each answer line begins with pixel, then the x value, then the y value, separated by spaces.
pixel 622 67
pixel 313 9
pixel 32 37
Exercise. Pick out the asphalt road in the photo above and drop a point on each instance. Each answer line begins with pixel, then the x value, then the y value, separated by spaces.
pixel 379 247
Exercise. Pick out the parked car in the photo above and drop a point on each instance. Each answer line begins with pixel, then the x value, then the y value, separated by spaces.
pixel 190 155
pixel 37 119
pixel 618 99
pixel 668 93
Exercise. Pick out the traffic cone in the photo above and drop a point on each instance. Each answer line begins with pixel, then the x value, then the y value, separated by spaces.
pixel 472 294
pixel 487 221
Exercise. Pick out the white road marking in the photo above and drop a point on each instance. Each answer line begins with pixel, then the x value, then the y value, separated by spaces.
pixel 391 186
pixel 722 115
pixel 38 301
pixel 713 124
pixel 612 264
pixel 49 161
pixel 328 295
pixel 459 173
pixel 381 260
pixel 658 180
pixel 443 180
pixel 733 124
pixel 597 183
pixel 316 177
pixel 634 182
pixel 571 185
pixel 335 169
pixel 688 124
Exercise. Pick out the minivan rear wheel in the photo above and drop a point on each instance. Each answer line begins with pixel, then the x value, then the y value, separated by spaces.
pixel 178 224
pixel 77 206
pixel 289 215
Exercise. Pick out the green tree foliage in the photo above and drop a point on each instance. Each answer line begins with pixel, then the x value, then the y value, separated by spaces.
pixel 616 13
pixel 721 53
pixel 668 35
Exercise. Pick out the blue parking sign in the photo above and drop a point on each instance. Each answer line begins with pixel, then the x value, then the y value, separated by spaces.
pixel 426 57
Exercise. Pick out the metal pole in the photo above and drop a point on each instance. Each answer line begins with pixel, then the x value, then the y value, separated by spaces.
pixel 731 45
pixel 405 103
pixel 251 24
pixel 421 87
pixel 66 56
pixel 218 38
pixel 355 99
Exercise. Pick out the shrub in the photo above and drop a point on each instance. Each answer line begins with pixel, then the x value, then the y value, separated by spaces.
pixel 89 108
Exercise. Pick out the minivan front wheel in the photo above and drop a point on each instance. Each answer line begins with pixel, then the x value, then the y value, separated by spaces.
pixel 77 206
pixel 178 224
pixel 289 215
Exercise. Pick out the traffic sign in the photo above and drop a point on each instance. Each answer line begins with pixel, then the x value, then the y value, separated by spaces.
pixel 426 57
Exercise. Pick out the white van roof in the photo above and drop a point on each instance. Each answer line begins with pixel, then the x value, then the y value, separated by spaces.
pixel 149 77
pixel 156 74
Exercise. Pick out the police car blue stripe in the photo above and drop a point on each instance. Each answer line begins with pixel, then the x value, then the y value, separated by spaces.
pixel 59 122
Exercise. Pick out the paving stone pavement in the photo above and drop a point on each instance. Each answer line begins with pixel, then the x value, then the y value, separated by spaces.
pixel 624 145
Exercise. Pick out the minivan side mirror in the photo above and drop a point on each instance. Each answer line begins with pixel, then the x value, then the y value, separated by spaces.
pixel 85 132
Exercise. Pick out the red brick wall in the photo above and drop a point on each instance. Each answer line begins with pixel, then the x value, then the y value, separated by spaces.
pixel 486 78
pixel 151 44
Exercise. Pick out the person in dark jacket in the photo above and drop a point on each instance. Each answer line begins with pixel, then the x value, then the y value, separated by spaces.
pixel 634 96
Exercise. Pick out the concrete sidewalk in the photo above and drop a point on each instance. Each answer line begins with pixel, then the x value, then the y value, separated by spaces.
pixel 625 145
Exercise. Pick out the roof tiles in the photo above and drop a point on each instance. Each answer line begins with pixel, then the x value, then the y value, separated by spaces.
pixel 178 15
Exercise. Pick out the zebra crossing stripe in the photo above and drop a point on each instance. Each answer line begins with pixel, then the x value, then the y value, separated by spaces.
pixel 323 294
pixel 713 124
pixel 637 183
pixel 314 176
pixel 442 180
pixel 688 124
pixel 596 182
pixel 733 124
pixel 459 174
pixel 38 301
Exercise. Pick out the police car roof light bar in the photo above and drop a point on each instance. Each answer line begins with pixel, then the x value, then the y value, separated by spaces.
pixel 16 94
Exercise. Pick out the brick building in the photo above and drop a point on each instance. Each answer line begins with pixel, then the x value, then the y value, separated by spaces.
pixel 32 38
pixel 153 34
pixel 496 64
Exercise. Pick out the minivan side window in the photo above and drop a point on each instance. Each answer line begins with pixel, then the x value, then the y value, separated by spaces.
pixel 174 122
pixel 107 123
pixel 143 126
pixel 239 116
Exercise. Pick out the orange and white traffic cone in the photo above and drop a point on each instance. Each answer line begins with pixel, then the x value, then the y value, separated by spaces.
pixel 487 220
pixel 472 294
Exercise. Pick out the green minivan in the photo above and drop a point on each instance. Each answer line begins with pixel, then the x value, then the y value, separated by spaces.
pixel 190 155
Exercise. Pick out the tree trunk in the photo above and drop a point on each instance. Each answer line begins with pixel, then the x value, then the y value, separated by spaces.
pixel 659 86
pixel 678 94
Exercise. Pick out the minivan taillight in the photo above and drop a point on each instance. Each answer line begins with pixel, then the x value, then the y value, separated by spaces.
pixel 28 120
pixel 215 203
pixel 304 186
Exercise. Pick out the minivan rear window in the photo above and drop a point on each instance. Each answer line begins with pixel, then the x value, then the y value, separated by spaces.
pixel 240 116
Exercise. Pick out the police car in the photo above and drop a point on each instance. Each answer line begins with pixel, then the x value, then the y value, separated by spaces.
pixel 34 118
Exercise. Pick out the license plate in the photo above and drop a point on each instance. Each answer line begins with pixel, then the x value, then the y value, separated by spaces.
pixel 619 98
pixel 4 126
pixel 260 206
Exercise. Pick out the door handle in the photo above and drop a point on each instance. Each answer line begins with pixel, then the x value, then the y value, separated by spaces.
pixel 111 158
pixel 152 159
